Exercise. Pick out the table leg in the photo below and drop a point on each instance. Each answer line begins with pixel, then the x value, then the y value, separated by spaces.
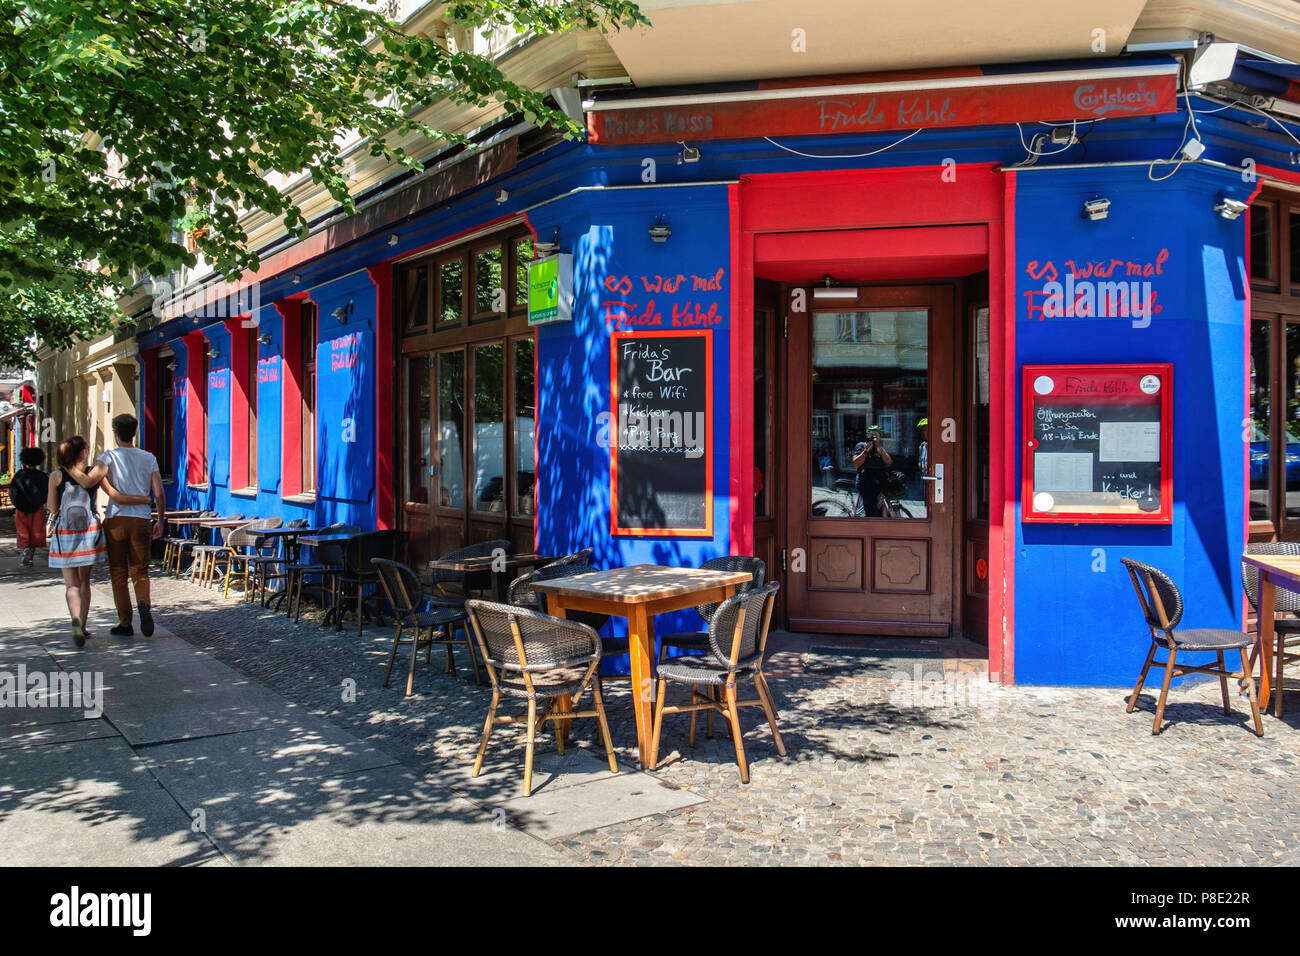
pixel 563 703
pixel 1267 603
pixel 641 638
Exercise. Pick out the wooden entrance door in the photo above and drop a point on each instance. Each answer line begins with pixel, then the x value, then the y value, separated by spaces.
pixel 871 554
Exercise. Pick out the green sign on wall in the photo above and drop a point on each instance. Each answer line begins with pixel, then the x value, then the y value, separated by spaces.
pixel 550 290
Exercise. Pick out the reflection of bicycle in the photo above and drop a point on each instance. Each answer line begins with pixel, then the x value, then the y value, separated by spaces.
pixel 844 502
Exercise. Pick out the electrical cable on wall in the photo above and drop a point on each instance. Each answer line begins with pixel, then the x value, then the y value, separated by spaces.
pixel 845 155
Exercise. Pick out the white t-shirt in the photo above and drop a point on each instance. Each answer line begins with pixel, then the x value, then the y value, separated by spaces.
pixel 130 471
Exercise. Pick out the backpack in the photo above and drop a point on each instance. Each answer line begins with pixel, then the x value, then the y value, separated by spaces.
pixel 76 510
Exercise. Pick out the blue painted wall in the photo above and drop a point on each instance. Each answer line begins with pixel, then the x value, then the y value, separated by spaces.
pixel 1077 620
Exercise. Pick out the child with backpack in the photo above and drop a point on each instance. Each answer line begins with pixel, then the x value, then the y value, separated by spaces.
pixel 27 491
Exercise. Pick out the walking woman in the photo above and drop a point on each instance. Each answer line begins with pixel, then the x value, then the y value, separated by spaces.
pixel 77 540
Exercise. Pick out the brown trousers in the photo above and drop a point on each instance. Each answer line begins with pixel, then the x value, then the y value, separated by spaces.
pixel 127 542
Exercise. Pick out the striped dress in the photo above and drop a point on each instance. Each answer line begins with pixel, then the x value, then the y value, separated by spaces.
pixel 78 539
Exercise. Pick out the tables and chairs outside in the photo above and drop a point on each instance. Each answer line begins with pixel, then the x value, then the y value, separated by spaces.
pixel 402 588
pixel 1277 563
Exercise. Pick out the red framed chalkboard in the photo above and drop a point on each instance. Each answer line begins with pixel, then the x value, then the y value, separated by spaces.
pixel 661 434
pixel 1098 442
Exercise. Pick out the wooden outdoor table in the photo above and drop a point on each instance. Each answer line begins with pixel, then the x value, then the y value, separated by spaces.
pixel 499 565
pixel 638 593
pixel 316 540
pixel 224 522
pixel 1274 570
pixel 291 546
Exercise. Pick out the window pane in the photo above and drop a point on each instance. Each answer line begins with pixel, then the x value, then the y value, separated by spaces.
pixel 1261 244
pixel 1289 458
pixel 489 428
pixel 524 425
pixel 415 299
pixel 522 253
pixel 1295 252
pixel 488 288
pixel 1260 415
pixel 451 289
pixel 870 388
pixel 451 428
pixel 980 417
pixel 761 422
pixel 420 434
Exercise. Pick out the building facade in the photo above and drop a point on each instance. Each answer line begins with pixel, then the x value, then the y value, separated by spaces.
pixel 1053 279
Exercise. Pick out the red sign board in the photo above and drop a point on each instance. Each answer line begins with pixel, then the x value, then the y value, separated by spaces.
pixel 1098 443
pixel 930 103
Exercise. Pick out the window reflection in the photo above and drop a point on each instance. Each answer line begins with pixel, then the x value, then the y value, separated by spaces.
pixel 524 428
pixel 451 429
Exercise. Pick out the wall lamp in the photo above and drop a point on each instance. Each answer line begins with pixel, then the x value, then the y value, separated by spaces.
pixel 265 338
pixel 394 239
pixel 543 249
pixel 1229 208
pixel 831 292
pixel 297 278
pixel 214 352
pixel 171 366
pixel 689 154
pixel 342 313
pixel 502 195
pixel 660 231
pixel 1095 209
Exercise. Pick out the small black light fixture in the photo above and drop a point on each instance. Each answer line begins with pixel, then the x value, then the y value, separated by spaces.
pixel 342 313
pixel 1229 208
pixel 1096 208
pixel 689 154
pixel 543 249
pixel 265 338
pixel 660 231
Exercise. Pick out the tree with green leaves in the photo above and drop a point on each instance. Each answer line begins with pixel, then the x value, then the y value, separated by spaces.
pixel 120 119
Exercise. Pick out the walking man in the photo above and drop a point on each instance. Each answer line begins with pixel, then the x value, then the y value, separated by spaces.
pixel 132 471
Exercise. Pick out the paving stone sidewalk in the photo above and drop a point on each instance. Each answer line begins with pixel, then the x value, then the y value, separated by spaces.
pixel 883 768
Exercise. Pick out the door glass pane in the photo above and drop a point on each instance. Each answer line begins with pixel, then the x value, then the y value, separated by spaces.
pixel 415 299
pixel 451 429
pixel 521 252
pixel 1261 405
pixel 489 428
pixel 1295 252
pixel 419 430
pixel 870 393
pixel 980 414
pixel 1287 469
pixel 489 290
pixel 1261 244
pixel 451 288
pixel 525 429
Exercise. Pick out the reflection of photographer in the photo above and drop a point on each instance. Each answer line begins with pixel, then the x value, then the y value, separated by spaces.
pixel 872 461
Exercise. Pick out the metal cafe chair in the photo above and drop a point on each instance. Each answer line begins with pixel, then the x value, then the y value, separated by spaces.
pixel 1286 630
pixel 1162 608
pixel 449 588
pixel 174 547
pixel 358 553
pixel 328 564
pixel 217 545
pixel 737 638
pixel 246 545
pixel 402 587
pixel 268 559
pixel 537 658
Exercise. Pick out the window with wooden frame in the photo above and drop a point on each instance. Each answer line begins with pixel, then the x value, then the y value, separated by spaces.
pixel 521 253
pixel 243 405
pixel 450 307
pixel 489 292
pixel 413 305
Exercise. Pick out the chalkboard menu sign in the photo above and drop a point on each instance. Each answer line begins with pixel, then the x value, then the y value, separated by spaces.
pixel 661 436
pixel 1098 444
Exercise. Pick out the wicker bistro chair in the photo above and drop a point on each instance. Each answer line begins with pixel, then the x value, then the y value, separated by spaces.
pixel 246 545
pixel 206 556
pixel 174 548
pixel 521 593
pixel 609 646
pixel 452 588
pixel 1162 607
pixel 737 638
pixel 402 587
pixel 358 571
pixel 328 564
pixel 534 657
pixel 1286 630
pixel 264 561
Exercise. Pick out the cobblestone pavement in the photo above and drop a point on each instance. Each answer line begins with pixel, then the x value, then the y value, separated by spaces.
pixel 880 769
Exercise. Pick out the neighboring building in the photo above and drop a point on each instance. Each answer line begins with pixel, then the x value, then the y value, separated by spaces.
pixel 849 225
pixel 17 416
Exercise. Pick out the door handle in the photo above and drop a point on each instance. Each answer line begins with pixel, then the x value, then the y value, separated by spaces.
pixel 937 478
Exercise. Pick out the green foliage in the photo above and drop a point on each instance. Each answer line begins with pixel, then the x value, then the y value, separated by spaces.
pixel 199 100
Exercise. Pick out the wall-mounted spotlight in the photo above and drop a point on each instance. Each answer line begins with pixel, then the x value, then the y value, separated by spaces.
pixel 265 338
pixel 660 231
pixel 297 278
pixel 214 352
pixel 1095 209
pixel 342 313
pixel 543 249
pixel 171 366
pixel 1230 208
pixel 689 154
pixel 832 292
pixel 393 239
pixel 502 195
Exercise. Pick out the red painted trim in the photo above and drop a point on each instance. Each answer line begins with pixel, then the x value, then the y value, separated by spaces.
pixel 1002 430
pixel 291 395
pixel 385 489
pixel 1031 402
pixel 242 381
pixel 196 399
pixel 707 530
pixel 742 392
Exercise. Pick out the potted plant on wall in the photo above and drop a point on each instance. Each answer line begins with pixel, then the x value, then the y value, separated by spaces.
pixel 195 225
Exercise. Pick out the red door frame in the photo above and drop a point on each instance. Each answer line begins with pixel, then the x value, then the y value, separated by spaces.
pixel 925 198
